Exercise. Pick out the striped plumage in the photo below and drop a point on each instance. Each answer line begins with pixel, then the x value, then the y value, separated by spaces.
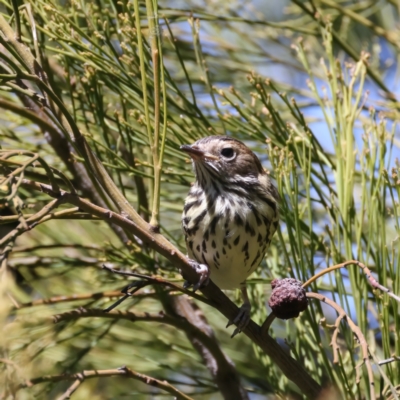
pixel 231 211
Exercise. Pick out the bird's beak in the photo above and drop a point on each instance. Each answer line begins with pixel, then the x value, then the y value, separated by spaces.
pixel 196 153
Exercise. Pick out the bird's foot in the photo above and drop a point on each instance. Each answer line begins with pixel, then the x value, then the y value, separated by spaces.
pixel 202 271
pixel 242 319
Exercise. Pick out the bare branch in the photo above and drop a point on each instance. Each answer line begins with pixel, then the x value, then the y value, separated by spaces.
pixel 123 371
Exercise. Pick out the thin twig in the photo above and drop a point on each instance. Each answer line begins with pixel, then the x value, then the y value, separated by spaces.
pixel 67 394
pixel 58 215
pixel 5 155
pixel 32 221
pixel 374 283
pixel 75 297
pixel 389 360
pixel 358 334
pixel 159 281
pixel 122 371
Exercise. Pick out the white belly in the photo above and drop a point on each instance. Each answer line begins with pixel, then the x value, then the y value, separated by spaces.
pixel 231 243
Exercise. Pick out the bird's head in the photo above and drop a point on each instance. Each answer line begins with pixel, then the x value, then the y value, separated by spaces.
pixel 224 159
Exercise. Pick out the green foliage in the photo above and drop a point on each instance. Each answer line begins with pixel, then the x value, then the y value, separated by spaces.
pixel 328 137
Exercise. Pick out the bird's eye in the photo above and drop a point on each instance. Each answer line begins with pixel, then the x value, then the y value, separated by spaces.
pixel 227 152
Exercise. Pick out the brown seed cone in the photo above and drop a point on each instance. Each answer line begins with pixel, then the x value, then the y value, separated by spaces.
pixel 288 298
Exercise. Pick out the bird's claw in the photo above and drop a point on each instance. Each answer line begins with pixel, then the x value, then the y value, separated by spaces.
pixel 186 285
pixel 203 273
pixel 241 320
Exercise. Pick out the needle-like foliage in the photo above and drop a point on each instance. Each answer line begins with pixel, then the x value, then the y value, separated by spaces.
pixel 96 97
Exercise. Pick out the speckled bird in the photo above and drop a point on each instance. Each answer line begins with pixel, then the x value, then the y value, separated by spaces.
pixel 230 215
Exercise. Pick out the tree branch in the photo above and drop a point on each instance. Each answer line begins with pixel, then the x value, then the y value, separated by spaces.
pixel 219 364
pixel 290 367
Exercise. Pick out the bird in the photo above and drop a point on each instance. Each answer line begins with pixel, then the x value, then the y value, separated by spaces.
pixel 229 217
